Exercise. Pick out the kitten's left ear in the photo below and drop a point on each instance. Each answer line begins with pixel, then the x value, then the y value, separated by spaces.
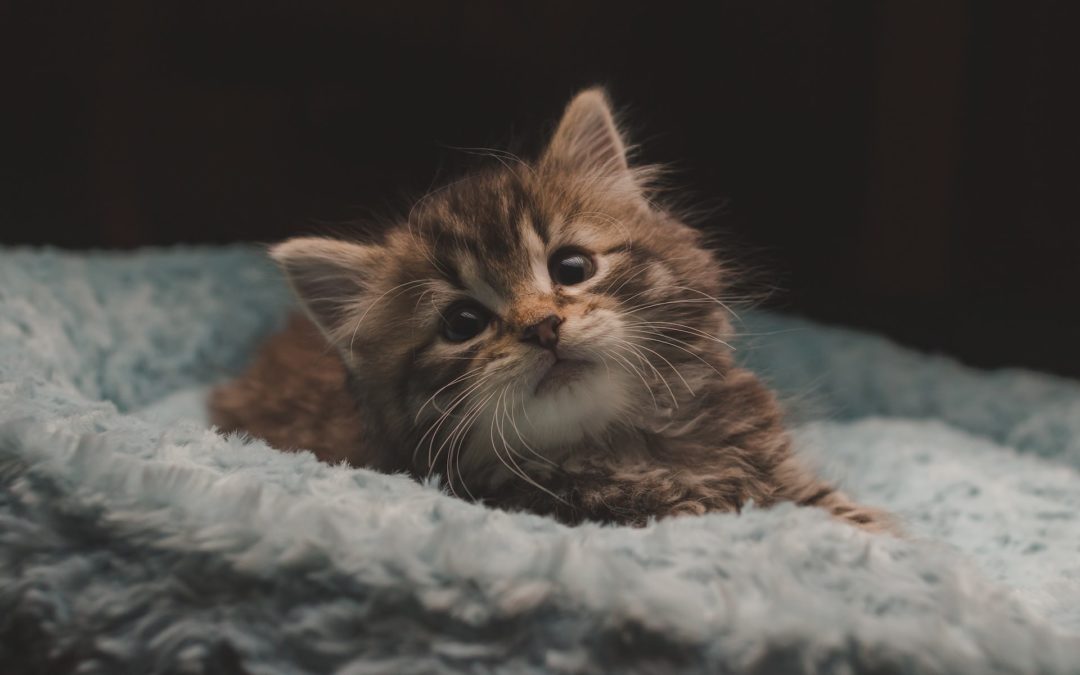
pixel 587 139
pixel 331 278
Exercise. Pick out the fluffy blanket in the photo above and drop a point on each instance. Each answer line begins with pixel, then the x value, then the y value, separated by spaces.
pixel 135 539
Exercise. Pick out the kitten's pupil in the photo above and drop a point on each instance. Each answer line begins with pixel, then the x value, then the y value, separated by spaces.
pixel 463 322
pixel 570 267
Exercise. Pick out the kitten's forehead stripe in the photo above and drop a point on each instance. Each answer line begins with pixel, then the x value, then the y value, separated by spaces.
pixel 540 222
pixel 541 278
pixel 476 276
pixel 493 225
pixel 446 265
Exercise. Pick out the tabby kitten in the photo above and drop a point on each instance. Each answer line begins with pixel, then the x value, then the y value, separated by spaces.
pixel 542 336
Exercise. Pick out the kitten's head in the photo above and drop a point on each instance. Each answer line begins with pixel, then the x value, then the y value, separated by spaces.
pixel 522 312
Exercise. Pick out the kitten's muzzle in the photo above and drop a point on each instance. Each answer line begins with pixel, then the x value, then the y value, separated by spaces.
pixel 543 333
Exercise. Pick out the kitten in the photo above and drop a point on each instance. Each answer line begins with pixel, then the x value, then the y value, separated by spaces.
pixel 543 336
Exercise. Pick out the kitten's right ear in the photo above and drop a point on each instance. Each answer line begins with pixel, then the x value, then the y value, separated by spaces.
pixel 587 139
pixel 330 277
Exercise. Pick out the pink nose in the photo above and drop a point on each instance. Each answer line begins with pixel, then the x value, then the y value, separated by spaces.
pixel 544 333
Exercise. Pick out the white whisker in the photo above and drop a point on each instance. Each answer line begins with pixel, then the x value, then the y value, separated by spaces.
pixel 642 336
pixel 673 368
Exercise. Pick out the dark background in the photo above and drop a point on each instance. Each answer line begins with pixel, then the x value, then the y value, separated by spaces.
pixel 909 167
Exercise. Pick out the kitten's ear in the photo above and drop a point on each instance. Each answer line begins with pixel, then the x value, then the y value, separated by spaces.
pixel 331 278
pixel 587 138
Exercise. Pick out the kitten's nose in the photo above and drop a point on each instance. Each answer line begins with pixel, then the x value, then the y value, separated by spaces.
pixel 544 333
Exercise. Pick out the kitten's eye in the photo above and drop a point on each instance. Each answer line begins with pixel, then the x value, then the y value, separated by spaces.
pixel 464 321
pixel 568 267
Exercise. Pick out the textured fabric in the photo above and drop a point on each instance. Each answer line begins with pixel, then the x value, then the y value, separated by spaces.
pixel 134 539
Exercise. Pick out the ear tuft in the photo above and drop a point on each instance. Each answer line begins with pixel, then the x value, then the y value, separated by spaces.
pixel 587 138
pixel 329 277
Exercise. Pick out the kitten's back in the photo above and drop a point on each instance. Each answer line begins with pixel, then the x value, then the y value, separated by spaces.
pixel 293 396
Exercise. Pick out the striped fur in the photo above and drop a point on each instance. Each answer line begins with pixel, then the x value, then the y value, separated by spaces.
pixel 655 419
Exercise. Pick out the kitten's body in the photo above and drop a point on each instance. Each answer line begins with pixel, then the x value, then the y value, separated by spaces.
pixel 295 397
pixel 544 337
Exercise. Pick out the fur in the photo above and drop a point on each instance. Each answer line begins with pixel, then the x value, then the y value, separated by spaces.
pixel 653 419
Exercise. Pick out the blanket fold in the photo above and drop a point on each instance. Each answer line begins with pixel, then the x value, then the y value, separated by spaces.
pixel 135 539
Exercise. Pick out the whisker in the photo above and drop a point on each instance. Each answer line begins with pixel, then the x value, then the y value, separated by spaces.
pixel 598 354
pixel 634 370
pixel 710 297
pixel 513 422
pixel 465 376
pixel 670 365
pixel 433 430
pixel 497 154
pixel 636 352
pixel 639 269
pixel 456 438
pixel 706 298
pixel 403 286
pixel 454 457
pixel 626 278
pixel 684 301
pixel 510 452
pixel 641 336
pixel 683 328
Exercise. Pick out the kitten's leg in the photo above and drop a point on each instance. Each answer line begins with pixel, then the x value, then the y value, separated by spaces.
pixel 824 496
pixel 668 494
pixel 635 495
pixel 632 493
pixel 797 484
pixel 293 396
pixel 628 493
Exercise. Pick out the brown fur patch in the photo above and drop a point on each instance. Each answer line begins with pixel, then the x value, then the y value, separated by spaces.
pixel 293 396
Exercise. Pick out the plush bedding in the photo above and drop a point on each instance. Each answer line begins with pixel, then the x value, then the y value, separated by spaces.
pixel 135 539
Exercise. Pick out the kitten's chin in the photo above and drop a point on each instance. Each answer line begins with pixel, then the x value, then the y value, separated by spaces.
pixel 561 374
pixel 568 403
pixel 573 399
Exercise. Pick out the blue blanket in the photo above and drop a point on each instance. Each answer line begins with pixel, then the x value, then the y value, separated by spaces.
pixel 135 539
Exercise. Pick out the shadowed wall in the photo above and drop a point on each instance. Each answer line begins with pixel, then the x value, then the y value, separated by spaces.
pixel 901 166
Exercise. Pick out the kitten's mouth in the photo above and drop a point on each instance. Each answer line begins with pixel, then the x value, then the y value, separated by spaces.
pixel 561 373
